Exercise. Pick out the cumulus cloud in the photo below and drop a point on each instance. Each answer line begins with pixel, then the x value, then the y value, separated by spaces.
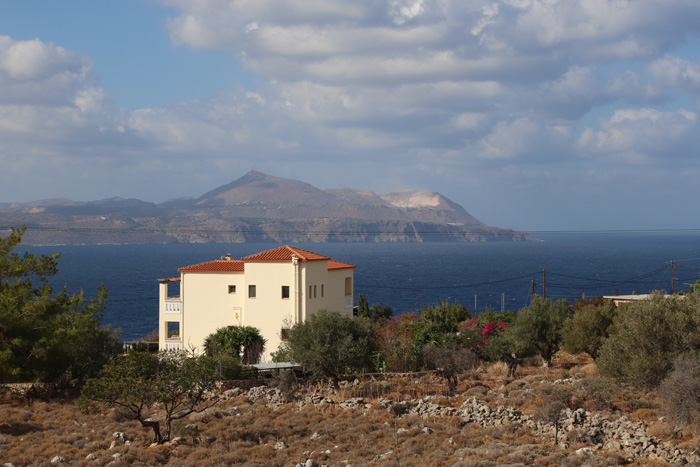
pixel 464 91
pixel 641 136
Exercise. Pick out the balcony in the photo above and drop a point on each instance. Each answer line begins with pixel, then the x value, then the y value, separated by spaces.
pixel 173 305
pixel 172 346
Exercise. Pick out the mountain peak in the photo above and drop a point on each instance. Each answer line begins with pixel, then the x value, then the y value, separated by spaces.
pixel 259 187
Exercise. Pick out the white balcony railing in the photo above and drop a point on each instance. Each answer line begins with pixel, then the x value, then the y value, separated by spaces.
pixel 172 346
pixel 173 306
pixel 348 301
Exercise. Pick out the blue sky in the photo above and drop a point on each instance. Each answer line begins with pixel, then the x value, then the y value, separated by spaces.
pixel 531 114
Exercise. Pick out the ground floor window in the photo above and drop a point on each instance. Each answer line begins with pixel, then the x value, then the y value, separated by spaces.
pixel 285 291
pixel 172 329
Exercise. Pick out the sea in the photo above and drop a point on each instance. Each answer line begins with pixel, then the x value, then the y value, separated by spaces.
pixel 407 276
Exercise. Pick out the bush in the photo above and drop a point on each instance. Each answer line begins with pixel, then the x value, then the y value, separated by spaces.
pixel 330 344
pixel 539 326
pixel 402 338
pixel 451 361
pixel 647 336
pixel 680 393
pixel 586 330
pixel 230 340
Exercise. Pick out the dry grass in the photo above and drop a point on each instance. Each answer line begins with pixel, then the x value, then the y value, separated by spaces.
pixel 238 432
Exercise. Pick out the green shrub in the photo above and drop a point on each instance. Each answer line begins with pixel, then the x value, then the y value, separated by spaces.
pixel 330 344
pixel 230 340
pixel 680 393
pixel 647 336
pixel 539 326
pixel 586 330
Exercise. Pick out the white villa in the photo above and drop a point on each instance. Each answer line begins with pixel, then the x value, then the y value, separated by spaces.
pixel 271 291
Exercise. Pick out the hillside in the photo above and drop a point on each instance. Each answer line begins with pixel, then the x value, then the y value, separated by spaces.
pixel 255 208
pixel 383 420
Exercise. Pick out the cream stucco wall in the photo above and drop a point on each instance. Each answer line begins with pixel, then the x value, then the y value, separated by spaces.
pixel 169 310
pixel 208 305
pixel 336 296
pixel 314 279
pixel 268 311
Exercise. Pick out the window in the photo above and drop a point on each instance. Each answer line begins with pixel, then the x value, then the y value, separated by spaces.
pixel 285 291
pixel 311 289
pixel 284 334
pixel 231 289
pixel 172 330
pixel 251 291
pixel 348 286
pixel 321 290
pixel 314 291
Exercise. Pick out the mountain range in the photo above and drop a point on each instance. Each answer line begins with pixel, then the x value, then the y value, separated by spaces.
pixel 255 208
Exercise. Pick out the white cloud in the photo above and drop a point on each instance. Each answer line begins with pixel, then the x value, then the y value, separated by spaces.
pixel 492 92
pixel 643 136
pixel 675 71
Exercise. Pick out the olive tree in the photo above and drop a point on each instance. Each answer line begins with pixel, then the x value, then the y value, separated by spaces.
pixel 586 330
pixel 647 335
pixel 141 384
pixel 330 344
pixel 539 326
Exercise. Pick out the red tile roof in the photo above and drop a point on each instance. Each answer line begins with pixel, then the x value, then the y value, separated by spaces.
pixel 168 280
pixel 284 253
pixel 280 254
pixel 218 265
pixel 333 264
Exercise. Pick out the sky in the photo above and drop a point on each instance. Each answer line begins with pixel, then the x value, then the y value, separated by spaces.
pixel 532 114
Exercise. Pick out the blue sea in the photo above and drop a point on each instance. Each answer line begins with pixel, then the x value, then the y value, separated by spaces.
pixel 407 276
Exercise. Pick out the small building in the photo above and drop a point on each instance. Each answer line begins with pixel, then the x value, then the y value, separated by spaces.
pixel 619 299
pixel 271 291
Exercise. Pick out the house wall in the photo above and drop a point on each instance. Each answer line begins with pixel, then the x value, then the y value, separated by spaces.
pixel 165 315
pixel 268 311
pixel 314 278
pixel 208 305
pixel 336 293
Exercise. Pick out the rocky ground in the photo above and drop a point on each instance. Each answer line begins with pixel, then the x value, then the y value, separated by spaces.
pixel 380 420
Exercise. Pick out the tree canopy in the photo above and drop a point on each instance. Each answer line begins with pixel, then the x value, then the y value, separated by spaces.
pixel 230 340
pixel 46 336
pixel 329 344
pixel 539 325
pixel 646 337
pixel 142 384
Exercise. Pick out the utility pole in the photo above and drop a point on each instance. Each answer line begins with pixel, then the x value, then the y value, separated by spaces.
pixel 503 302
pixel 544 283
pixel 474 303
pixel 532 285
pixel 672 288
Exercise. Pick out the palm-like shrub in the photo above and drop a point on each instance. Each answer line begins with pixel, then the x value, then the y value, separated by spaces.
pixel 230 340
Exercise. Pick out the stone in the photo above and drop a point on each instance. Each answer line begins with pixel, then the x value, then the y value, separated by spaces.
pixel 280 445
pixel 57 460
pixel 380 457
pixel 91 457
pixel 584 452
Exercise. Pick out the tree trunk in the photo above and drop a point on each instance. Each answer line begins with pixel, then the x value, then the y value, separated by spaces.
pixel 155 426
